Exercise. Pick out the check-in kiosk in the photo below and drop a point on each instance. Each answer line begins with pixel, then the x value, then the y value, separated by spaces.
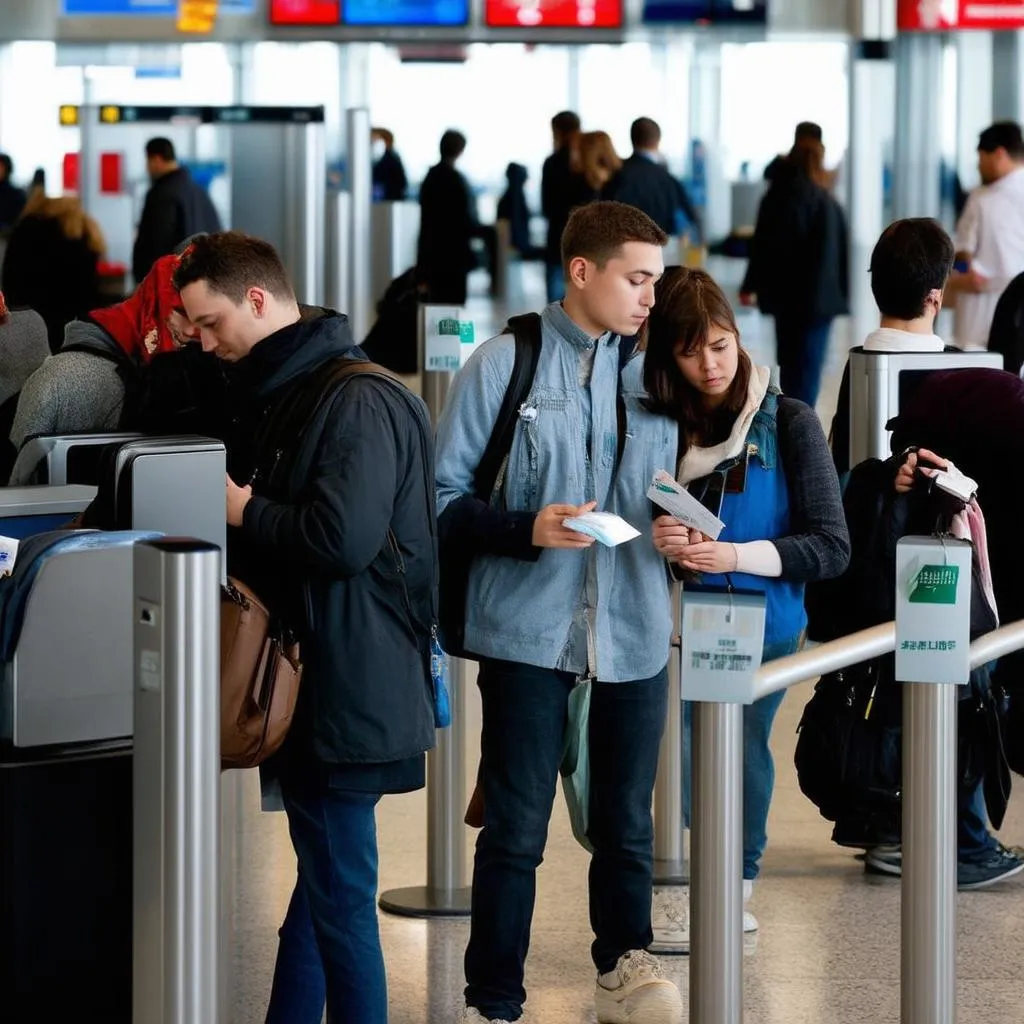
pixel 66 725
pixel 882 382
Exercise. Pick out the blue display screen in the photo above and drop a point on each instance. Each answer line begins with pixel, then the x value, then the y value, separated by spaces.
pixel 20 527
pixel 137 8
pixel 709 11
pixel 420 13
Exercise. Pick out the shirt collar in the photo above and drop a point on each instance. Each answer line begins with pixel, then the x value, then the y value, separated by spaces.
pixel 567 328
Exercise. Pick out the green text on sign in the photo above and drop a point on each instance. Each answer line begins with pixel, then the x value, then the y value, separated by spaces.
pixel 935 584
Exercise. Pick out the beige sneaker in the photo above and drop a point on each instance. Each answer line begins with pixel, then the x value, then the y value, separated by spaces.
pixel 670 919
pixel 471 1015
pixel 749 921
pixel 636 992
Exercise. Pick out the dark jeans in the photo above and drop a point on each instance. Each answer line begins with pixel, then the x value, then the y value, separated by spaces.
pixel 525 712
pixel 330 943
pixel 801 347
pixel 973 840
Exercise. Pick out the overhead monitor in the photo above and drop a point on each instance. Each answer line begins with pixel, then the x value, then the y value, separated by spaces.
pixel 706 12
pixel 139 8
pixel 305 12
pixel 553 13
pixel 417 13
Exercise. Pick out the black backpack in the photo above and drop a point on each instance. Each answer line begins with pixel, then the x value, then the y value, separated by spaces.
pixel 456 556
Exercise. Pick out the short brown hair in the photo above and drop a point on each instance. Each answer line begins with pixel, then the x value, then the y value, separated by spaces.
pixel 598 231
pixel 645 133
pixel 231 263
pixel 688 305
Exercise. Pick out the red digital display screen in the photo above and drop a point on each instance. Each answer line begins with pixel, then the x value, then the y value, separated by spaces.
pixel 554 13
pixel 305 12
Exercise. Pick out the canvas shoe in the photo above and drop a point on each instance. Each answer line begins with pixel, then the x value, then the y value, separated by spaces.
pixel 637 992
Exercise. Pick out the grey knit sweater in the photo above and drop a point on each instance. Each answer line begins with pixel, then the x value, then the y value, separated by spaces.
pixel 23 347
pixel 70 392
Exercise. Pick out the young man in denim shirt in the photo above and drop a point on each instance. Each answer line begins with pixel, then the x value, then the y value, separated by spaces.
pixel 547 608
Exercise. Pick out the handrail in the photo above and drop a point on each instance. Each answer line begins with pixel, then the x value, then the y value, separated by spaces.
pixel 824 658
pixel 1000 642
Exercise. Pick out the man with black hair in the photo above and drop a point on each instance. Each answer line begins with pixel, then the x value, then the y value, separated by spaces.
pixel 910 266
pixel 175 209
pixel 12 199
pixel 990 234
pixel 646 183
pixel 448 223
pixel 561 188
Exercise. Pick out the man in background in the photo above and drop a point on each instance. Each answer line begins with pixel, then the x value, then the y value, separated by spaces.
pixel 990 235
pixel 561 189
pixel 646 183
pixel 12 198
pixel 176 208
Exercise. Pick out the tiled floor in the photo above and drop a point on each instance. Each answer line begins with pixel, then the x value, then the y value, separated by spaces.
pixel 828 949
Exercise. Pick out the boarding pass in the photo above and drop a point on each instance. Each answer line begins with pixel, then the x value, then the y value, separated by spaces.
pixel 677 501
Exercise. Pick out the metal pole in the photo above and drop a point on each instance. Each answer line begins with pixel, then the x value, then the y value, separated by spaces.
pixel 360 177
pixel 177 783
pixel 928 949
pixel 716 890
pixel 445 894
pixel 669 854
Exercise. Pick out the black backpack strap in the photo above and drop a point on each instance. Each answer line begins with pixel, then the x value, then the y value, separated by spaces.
pixel 527 332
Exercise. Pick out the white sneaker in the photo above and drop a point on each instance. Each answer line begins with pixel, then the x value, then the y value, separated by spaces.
pixel 749 921
pixel 636 992
pixel 471 1015
pixel 670 918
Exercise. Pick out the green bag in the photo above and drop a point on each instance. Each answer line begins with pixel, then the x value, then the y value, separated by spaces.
pixel 575 767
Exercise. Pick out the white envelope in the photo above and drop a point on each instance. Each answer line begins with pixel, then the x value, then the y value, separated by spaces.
pixel 605 527
pixel 677 501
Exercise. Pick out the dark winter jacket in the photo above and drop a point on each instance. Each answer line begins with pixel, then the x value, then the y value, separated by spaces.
pixel 650 187
pixel 176 207
pixel 798 255
pixel 447 225
pixel 390 185
pixel 561 191
pixel 1007 334
pixel 340 539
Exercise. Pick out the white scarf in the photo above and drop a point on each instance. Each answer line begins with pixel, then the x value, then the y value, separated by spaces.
pixel 698 462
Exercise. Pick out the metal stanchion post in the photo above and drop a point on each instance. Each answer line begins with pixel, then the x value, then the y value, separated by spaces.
pixel 176 854
pixel 445 894
pixel 716 890
pixel 928 950
pixel 669 854
pixel 360 251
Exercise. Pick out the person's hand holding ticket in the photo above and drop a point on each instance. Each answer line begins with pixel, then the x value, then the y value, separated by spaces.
pixel 605 527
pixel 677 501
pixel 672 538
pixel 549 531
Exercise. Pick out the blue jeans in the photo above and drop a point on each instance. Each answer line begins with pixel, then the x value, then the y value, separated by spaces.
pixel 329 950
pixel 554 276
pixel 973 840
pixel 525 712
pixel 801 347
pixel 758 764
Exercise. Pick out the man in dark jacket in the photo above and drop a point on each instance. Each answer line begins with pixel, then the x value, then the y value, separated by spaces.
pixel 12 198
pixel 175 208
pixel 333 524
pixel 645 182
pixel 561 189
pixel 448 224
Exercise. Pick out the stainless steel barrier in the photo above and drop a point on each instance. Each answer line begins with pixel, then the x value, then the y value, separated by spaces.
pixel 360 249
pixel 928 958
pixel 446 893
pixel 177 960
pixel 670 866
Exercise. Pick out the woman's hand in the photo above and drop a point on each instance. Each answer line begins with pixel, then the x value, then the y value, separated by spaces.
pixel 671 537
pixel 711 557
pixel 905 477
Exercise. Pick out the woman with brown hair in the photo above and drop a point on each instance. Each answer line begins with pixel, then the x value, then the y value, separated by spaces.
pixel 758 460
pixel 52 262
pixel 594 157
pixel 798 269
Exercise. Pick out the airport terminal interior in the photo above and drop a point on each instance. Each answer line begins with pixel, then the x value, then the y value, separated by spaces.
pixel 282 112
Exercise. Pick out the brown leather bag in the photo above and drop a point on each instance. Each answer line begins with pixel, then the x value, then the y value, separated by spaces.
pixel 260 674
